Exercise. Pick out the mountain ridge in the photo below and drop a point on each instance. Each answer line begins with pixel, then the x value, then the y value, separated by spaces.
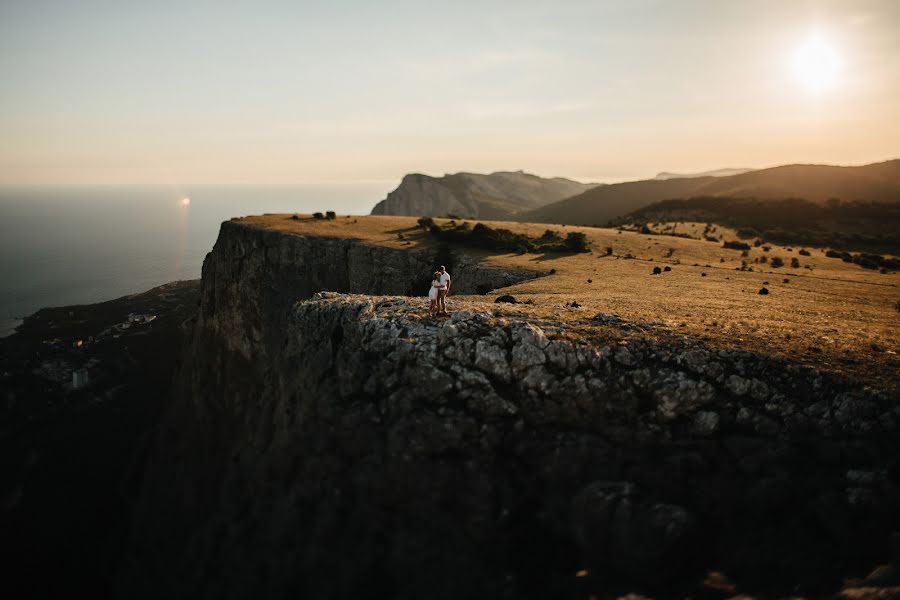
pixel 875 182
pixel 497 195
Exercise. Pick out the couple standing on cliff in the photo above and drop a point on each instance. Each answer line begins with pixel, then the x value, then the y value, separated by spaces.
pixel 440 287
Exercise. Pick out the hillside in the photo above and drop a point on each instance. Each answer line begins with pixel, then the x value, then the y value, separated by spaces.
pixel 848 226
pixel 473 195
pixel 877 182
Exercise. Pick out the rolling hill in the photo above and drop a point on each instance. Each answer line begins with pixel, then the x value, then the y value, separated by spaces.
pixel 877 182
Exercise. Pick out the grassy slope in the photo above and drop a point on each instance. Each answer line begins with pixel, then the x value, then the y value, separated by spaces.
pixel 829 317
pixel 877 182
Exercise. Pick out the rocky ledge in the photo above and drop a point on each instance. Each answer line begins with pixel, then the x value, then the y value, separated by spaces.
pixel 363 448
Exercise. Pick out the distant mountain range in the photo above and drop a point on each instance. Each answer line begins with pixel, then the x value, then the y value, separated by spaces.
pixel 498 196
pixel 525 197
pixel 716 173
pixel 877 182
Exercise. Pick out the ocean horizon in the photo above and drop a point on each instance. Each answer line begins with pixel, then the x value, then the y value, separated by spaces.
pixel 66 245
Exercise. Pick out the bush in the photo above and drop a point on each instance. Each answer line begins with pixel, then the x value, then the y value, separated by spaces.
pixel 795 263
pixel 804 252
pixel 609 250
pixel 425 222
pixel 330 215
pixel 776 262
pixel 735 245
pixel 318 215
pixel 550 236
pixel 577 242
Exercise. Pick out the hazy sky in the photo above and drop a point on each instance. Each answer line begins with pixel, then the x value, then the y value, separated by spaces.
pixel 260 91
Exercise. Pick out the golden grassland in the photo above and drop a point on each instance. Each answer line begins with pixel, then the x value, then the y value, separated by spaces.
pixel 834 315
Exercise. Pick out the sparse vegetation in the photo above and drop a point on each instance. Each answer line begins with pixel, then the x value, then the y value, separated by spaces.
pixel 866 261
pixel 795 263
pixel 330 215
pixel 318 215
pixel 776 262
pixel 859 225
pixel 504 240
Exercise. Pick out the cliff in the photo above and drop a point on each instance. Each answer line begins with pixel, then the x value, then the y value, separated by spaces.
pixel 333 445
pixel 472 195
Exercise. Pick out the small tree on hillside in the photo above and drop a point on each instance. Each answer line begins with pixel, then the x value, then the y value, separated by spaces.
pixel 577 242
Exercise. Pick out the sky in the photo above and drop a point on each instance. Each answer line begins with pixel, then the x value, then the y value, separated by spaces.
pixel 359 91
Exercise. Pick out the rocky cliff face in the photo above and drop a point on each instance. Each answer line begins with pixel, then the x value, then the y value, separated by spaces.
pixel 345 445
pixel 472 195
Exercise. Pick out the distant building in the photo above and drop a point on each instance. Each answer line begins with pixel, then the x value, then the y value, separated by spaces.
pixel 80 378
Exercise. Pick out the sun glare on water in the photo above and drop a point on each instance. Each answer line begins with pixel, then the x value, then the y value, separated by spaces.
pixel 817 64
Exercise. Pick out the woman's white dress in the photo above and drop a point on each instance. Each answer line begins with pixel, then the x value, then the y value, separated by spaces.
pixel 433 292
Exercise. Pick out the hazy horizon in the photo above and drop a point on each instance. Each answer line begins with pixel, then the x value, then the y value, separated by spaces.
pixel 278 93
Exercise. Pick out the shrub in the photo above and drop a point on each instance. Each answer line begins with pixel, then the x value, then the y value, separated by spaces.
pixel 318 215
pixel 804 252
pixel 646 230
pixel 295 218
pixel 550 236
pixel 777 262
pixel 425 222
pixel 795 263
pixel 577 242
pixel 763 259
pixel 609 250
pixel 330 215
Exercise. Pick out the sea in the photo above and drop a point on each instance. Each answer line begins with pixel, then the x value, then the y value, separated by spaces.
pixel 67 245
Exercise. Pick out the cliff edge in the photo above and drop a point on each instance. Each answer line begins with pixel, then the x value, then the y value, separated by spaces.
pixel 332 445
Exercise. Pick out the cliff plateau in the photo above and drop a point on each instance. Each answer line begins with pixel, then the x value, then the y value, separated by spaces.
pixel 329 444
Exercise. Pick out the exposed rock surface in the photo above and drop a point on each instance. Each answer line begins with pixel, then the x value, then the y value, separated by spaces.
pixel 473 195
pixel 346 445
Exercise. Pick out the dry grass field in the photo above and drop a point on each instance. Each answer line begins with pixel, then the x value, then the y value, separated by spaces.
pixel 833 315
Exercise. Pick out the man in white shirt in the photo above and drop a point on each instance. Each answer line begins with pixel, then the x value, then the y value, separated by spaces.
pixel 445 289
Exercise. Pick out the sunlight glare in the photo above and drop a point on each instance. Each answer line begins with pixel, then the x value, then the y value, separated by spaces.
pixel 816 64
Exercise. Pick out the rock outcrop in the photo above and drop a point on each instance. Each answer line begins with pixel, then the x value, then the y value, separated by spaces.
pixel 332 445
pixel 471 195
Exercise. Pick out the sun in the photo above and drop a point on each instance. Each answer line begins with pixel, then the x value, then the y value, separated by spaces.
pixel 185 202
pixel 816 64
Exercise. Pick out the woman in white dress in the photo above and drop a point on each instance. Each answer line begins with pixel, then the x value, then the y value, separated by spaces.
pixel 436 287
